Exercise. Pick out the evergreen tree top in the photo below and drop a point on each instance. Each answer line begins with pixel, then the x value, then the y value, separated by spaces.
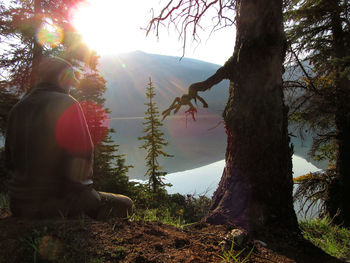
pixel 315 27
pixel 153 141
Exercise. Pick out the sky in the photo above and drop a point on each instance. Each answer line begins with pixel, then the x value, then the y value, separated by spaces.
pixel 112 27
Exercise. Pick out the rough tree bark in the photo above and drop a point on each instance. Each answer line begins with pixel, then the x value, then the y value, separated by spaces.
pixel 255 190
pixel 340 196
pixel 340 192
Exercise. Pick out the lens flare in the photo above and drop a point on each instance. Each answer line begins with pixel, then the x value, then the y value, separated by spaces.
pixel 71 131
pixel 97 120
pixel 49 34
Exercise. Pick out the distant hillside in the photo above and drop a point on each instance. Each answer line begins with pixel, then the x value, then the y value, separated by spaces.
pixel 193 144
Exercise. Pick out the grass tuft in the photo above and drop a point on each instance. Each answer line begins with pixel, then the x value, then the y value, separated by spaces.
pixel 232 255
pixel 160 215
pixel 333 239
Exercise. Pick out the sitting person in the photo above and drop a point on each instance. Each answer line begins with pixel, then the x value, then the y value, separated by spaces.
pixel 49 151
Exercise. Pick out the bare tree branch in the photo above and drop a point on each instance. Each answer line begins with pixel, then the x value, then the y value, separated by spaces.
pixel 186 15
pixel 304 71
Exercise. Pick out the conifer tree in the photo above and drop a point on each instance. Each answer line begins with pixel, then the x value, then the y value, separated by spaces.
pixel 153 142
pixel 21 50
pixel 30 29
pixel 320 32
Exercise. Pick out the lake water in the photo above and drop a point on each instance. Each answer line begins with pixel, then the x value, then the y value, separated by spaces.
pixel 204 180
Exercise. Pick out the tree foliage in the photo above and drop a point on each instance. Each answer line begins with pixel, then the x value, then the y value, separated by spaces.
pixel 30 29
pixel 153 142
pixel 319 32
pixel 314 190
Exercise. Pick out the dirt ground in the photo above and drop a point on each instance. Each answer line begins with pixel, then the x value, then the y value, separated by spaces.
pixel 86 240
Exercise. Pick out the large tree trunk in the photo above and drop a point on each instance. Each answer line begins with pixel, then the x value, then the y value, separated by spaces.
pixel 341 193
pixel 340 189
pixel 342 120
pixel 255 190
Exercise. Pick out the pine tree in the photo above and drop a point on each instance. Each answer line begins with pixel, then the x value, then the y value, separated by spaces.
pixel 320 32
pixel 29 30
pixel 153 142
pixel 20 34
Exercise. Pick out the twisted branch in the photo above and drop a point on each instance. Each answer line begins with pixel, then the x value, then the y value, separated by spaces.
pixel 227 71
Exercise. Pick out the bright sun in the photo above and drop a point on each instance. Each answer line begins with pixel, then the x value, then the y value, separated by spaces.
pixel 106 26
pixel 114 26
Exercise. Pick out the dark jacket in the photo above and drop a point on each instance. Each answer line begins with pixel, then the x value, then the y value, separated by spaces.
pixel 48 145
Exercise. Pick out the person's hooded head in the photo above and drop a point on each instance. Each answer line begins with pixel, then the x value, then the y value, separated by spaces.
pixel 57 71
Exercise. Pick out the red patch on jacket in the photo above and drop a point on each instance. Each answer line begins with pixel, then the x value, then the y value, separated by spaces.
pixel 72 132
